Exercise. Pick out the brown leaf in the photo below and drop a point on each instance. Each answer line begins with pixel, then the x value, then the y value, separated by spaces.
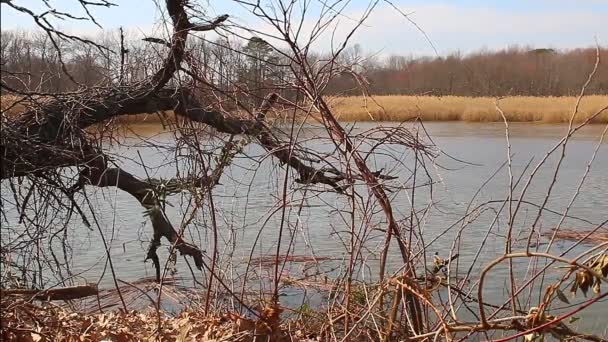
pixel 596 286
pixel 584 280
pixel 561 296
pixel 601 265
pixel 36 337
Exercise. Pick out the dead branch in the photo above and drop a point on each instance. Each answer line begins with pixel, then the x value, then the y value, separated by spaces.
pixel 61 293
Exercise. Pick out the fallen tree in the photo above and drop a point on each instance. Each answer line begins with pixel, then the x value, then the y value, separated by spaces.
pixel 54 134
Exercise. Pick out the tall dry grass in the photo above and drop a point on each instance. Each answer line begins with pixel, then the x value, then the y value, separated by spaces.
pixel 428 108
pixel 460 108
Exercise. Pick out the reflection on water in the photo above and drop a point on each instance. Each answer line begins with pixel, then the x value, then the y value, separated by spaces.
pixel 468 172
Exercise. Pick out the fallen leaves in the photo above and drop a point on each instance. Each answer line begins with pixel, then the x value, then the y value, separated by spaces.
pixel 29 322
pixel 583 281
pixel 586 279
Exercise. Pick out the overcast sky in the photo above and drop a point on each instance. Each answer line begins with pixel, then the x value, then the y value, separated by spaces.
pixel 457 25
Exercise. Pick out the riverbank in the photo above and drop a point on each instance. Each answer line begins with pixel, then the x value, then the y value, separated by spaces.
pixel 472 109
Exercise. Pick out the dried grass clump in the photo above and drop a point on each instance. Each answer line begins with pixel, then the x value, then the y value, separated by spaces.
pixel 460 108
pixel 588 237
pixel 271 260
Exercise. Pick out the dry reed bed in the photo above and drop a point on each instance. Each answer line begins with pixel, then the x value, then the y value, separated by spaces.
pixel 428 108
pixel 475 109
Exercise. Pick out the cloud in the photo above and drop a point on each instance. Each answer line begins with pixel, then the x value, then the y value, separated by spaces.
pixel 451 25
pixel 466 29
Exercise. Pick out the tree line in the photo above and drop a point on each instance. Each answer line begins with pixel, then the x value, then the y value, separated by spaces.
pixel 30 61
pixel 512 71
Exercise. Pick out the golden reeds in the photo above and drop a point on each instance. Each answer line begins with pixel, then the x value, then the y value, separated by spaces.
pixel 459 108
pixel 430 108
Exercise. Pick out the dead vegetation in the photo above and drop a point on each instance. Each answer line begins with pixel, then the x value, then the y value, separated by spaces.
pixel 398 108
pixel 588 237
pixel 24 321
pixel 471 109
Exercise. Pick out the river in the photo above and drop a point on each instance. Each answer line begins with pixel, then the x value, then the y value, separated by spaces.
pixel 470 171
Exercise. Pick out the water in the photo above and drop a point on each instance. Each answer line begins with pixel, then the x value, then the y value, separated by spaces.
pixel 469 172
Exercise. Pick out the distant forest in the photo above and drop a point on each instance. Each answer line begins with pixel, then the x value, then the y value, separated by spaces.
pixel 512 71
pixel 256 67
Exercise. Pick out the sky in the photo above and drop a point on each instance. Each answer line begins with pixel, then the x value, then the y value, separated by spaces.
pixel 452 26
